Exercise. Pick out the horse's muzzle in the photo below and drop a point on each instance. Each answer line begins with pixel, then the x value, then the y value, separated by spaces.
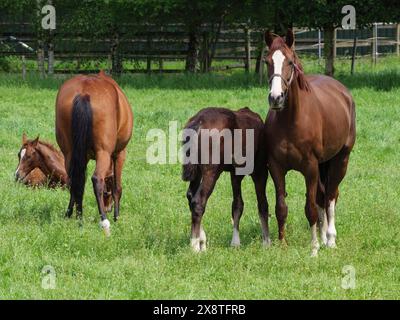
pixel 276 103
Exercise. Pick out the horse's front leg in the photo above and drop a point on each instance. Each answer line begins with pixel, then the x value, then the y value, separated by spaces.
pixel 281 210
pixel 260 183
pixel 311 174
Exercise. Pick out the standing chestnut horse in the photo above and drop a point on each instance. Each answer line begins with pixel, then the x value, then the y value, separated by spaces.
pixel 310 128
pixel 93 121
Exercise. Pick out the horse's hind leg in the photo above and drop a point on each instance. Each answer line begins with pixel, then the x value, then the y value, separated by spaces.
pixel 237 207
pixel 210 176
pixel 193 187
pixel 336 172
pixel 260 183
pixel 323 220
pixel 108 193
pixel 103 161
pixel 311 174
pixel 117 188
pixel 70 209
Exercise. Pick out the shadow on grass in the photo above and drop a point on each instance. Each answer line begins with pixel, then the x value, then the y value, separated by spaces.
pixel 380 81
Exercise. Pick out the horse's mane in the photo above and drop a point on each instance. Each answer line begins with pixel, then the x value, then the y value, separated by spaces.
pixel 280 44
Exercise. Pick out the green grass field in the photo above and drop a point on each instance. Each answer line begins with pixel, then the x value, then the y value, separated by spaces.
pixel 148 254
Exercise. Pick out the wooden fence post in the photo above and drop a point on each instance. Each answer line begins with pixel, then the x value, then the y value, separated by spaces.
pixel 248 49
pixel 23 68
pixel 374 45
pixel 161 65
pixel 148 66
pixel 334 43
pixel 353 58
pixel 262 63
pixel 398 39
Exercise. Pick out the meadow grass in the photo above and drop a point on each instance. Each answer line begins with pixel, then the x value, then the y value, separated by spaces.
pixel 148 254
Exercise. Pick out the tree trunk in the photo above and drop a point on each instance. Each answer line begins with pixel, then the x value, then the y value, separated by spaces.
pixel 329 48
pixel 260 50
pixel 40 42
pixel 50 67
pixel 215 42
pixel 247 49
pixel 192 52
pixel 116 61
pixel 50 43
pixel 205 53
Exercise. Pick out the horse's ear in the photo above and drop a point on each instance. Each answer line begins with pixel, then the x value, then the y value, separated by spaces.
pixel 268 38
pixel 24 138
pixel 289 38
pixel 35 142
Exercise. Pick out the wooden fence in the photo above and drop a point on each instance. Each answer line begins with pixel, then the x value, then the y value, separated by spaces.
pixel 234 43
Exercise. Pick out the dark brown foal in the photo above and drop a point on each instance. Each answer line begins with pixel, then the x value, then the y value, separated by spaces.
pixel 212 139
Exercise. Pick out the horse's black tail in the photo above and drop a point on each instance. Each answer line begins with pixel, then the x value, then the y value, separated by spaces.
pixel 190 170
pixel 82 141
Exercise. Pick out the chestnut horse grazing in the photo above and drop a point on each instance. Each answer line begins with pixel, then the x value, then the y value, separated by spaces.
pixel 204 175
pixel 311 128
pixel 40 164
pixel 93 121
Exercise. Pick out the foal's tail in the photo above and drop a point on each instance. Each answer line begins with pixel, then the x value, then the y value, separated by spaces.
pixel 82 141
pixel 190 170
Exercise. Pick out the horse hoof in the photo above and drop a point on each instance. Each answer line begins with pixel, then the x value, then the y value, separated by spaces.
pixel 105 224
pixel 267 243
pixel 235 244
pixel 331 244
pixel 314 253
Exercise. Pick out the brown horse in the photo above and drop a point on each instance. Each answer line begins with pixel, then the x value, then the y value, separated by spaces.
pixel 310 128
pixel 203 175
pixel 93 121
pixel 40 163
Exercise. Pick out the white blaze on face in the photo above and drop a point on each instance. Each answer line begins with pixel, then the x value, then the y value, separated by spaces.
pixel 22 154
pixel 276 86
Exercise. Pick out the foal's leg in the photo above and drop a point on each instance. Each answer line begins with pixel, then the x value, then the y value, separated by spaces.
pixel 281 210
pixel 193 187
pixel 311 175
pixel 103 161
pixel 198 205
pixel 337 171
pixel 117 190
pixel 237 207
pixel 260 183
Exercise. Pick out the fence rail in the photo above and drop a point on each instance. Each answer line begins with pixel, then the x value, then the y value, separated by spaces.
pixel 155 44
